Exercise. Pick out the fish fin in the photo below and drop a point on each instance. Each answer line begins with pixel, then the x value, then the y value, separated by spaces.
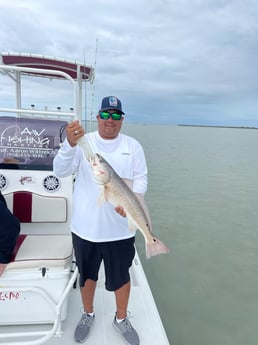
pixel 132 226
pixel 102 197
pixel 155 248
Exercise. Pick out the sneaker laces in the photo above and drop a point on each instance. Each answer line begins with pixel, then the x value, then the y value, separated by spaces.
pixel 85 320
pixel 127 324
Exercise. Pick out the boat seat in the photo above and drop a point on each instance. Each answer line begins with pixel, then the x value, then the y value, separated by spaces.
pixel 40 249
pixel 31 207
pixel 35 251
pixel 35 286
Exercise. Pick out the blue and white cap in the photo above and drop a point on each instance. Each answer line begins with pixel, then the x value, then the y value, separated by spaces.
pixel 111 103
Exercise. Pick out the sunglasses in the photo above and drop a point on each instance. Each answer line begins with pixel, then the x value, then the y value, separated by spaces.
pixel 105 115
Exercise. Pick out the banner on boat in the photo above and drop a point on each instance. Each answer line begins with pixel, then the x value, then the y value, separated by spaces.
pixel 29 143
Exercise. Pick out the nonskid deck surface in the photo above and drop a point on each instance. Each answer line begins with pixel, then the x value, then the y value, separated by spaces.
pixel 143 314
pixel 142 308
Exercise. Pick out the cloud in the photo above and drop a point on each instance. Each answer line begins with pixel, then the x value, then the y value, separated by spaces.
pixel 174 61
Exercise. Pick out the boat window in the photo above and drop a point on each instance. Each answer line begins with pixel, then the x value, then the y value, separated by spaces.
pixel 27 143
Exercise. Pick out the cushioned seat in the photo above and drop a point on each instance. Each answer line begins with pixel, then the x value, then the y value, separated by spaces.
pixel 42 250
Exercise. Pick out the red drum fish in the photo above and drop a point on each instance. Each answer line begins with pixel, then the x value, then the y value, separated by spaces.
pixel 118 193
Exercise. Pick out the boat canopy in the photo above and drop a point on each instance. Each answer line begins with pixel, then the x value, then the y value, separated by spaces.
pixel 16 65
pixel 73 69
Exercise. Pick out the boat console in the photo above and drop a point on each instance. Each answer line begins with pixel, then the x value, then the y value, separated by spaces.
pixel 36 284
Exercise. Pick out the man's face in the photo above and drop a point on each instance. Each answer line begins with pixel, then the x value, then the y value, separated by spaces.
pixel 109 128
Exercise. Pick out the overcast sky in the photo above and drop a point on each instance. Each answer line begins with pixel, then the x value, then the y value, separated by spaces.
pixel 169 61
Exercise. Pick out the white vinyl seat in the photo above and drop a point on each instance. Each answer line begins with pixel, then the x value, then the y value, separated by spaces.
pixel 49 251
pixel 36 285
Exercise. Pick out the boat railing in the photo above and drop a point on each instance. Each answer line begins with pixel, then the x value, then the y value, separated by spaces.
pixel 75 111
pixel 48 114
pixel 40 336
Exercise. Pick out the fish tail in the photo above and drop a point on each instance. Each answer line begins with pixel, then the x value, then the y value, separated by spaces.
pixel 156 247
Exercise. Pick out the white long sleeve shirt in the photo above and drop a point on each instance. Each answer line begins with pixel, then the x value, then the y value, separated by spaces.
pixel 90 220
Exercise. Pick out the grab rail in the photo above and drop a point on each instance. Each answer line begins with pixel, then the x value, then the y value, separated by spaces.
pixel 75 84
pixel 47 334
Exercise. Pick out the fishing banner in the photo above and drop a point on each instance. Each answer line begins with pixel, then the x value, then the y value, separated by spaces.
pixel 29 142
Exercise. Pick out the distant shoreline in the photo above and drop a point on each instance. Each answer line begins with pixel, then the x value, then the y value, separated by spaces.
pixel 217 126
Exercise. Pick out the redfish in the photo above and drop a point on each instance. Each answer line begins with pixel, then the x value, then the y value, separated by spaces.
pixel 118 193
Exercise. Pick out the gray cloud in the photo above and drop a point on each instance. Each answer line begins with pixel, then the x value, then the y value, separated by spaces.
pixel 170 61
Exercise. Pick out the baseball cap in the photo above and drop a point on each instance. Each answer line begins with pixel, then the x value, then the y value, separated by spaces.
pixel 111 103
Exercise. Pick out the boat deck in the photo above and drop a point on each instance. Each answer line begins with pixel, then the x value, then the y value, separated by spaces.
pixel 146 321
pixel 144 315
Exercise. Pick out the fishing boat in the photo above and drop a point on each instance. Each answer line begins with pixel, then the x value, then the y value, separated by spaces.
pixel 40 300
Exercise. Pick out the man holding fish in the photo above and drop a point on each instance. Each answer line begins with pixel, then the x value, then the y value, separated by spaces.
pixel 111 180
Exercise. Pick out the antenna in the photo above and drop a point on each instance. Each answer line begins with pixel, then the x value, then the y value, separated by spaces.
pixel 93 85
pixel 85 94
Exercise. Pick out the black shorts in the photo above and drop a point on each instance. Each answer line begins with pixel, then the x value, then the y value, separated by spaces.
pixel 116 255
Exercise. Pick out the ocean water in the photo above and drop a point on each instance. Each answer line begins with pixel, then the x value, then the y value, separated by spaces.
pixel 203 198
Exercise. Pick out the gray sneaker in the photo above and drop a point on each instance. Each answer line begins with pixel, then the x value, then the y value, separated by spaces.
pixel 127 331
pixel 83 328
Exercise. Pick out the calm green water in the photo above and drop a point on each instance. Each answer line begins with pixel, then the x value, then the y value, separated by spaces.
pixel 203 197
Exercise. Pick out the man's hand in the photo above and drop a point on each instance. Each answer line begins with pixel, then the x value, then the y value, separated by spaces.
pixel 74 131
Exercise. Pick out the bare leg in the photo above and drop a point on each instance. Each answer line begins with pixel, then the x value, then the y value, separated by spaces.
pixel 87 293
pixel 122 298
